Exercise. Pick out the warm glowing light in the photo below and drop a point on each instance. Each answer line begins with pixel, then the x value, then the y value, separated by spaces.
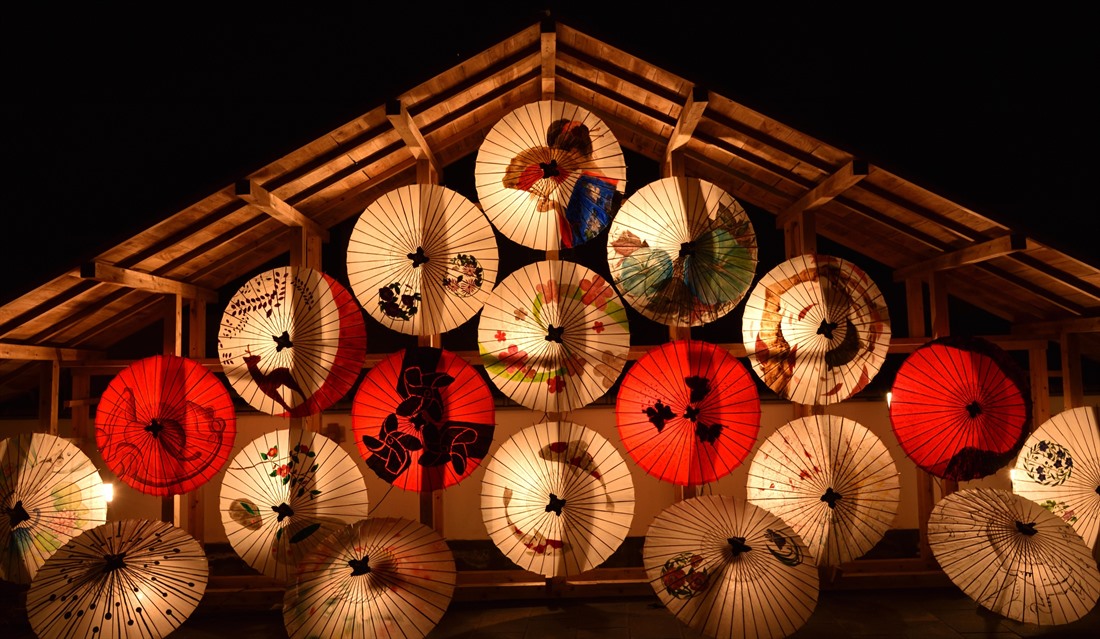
pixel 889 396
pixel 108 491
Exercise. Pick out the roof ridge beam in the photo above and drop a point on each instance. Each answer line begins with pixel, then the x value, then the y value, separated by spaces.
pixel 139 280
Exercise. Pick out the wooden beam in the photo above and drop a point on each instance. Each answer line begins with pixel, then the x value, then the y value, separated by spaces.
pixel 403 123
pixel 905 345
pixel 45 353
pixel 829 188
pixel 969 255
pixel 689 118
pixel 49 396
pixel 1057 327
pixel 549 53
pixel 1073 393
pixel 267 202
pixel 1040 386
pixel 109 274
pixel 800 235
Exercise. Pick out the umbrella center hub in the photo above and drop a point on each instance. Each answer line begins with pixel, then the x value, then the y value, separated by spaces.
pixel 114 562
pixel 687 249
pixel 554 333
pixel 1026 529
pixel 282 341
pixel 826 329
pixel 359 566
pixel 17 513
pixel 550 169
pixel 418 257
pixel 973 409
pixel 555 505
pixel 738 545
pixel 830 497
pixel 154 428
pixel 283 510
pixel 691 413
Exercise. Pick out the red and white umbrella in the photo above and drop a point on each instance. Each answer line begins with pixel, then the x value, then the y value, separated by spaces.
pixel 550 175
pixel 422 259
pixel 165 425
pixel 292 341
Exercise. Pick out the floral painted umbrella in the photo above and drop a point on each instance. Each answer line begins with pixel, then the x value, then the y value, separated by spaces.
pixel 422 259
pixel 121 579
pixel 165 425
pixel 688 412
pixel 729 569
pixel 553 336
pixel 49 492
pixel 960 407
pixel 1013 557
pixel 292 341
pixel 423 419
pixel 550 175
pixel 378 577
pixel 816 329
pixel 283 492
pixel 682 251
pixel 831 480
pixel 557 498
pixel 1059 468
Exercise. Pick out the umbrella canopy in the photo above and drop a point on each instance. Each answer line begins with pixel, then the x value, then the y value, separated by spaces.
pixel 682 251
pixel 553 336
pixel 378 577
pixel 729 569
pixel 960 407
pixel 283 492
pixel 557 498
pixel 49 492
pixel 422 259
pixel 817 329
pixel 688 412
pixel 129 578
pixel 292 341
pixel 550 175
pixel 832 481
pixel 165 425
pixel 423 419
pixel 1059 468
pixel 1013 556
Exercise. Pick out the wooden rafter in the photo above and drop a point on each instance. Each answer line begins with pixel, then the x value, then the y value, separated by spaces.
pixel 1056 327
pixel 109 274
pixel 45 353
pixel 845 178
pixel 548 53
pixel 689 118
pixel 969 255
pixel 402 122
pixel 267 202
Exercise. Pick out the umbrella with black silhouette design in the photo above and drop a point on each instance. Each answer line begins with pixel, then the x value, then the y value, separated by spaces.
pixel 816 328
pixel 292 341
pixel 1059 468
pixel 121 579
pixel 165 425
pixel 423 418
pixel 422 259
pixel 729 569
pixel 283 492
pixel 960 407
pixel 378 577
pixel 688 412
pixel 550 175
pixel 831 480
pixel 50 491
pixel 557 498
pixel 682 251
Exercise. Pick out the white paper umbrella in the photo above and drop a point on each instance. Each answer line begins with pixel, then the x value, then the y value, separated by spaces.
pixel 129 578
pixel 557 498
pixel 1013 556
pixel 379 577
pixel 832 480
pixel 283 492
pixel 550 175
pixel 49 492
pixel 1059 468
pixel 817 329
pixel 729 569
pixel 292 341
pixel 682 251
pixel 553 336
pixel 422 259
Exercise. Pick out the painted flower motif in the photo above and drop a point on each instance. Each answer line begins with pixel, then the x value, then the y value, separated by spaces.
pixel 282 470
pixel 549 291
pixel 520 314
pixel 598 327
pixel 513 358
pixel 597 293
pixel 501 336
pixel 555 384
pixel 303 448
pixel 674 579
pixel 273 451
pixel 574 365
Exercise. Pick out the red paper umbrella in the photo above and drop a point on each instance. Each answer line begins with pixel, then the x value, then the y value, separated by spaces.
pixel 423 419
pixel 165 425
pixel 292 341
pixel 688 412
pixel 960 407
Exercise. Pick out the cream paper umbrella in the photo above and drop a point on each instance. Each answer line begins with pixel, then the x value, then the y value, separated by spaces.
pixel 378 577
pixel 682 251
pixel 816 328
pixel 283 492
pixel 49 492
pixel 550 175
pixel 1013 557
pixel 422 259
pixel 124 579
pixel 553 336
pixel 729 569
pixel 557 498
pixel 1059 468
pixel 832 481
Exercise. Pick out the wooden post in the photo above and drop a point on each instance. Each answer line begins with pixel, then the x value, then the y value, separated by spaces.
pixel 926 494
pixel 195 501
pixel 1073 395
pixel 173 345
pixel 1040 386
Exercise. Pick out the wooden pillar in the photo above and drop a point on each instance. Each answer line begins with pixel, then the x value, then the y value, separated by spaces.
pixel 79 406
pixel 195 501
pixel 48 396
pixel 173 345
pixel 926 494
pixel 941 327
pixel 1073 392
pixel 1040 386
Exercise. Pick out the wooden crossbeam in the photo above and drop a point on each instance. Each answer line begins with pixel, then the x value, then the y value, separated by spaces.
pixel 130 278
pixel 269 203
pixel 403 123
pixel 548 52
pixel 46 353
pixel 973 254
pixel 689 118
pixel 828 189
pixel 1056 327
